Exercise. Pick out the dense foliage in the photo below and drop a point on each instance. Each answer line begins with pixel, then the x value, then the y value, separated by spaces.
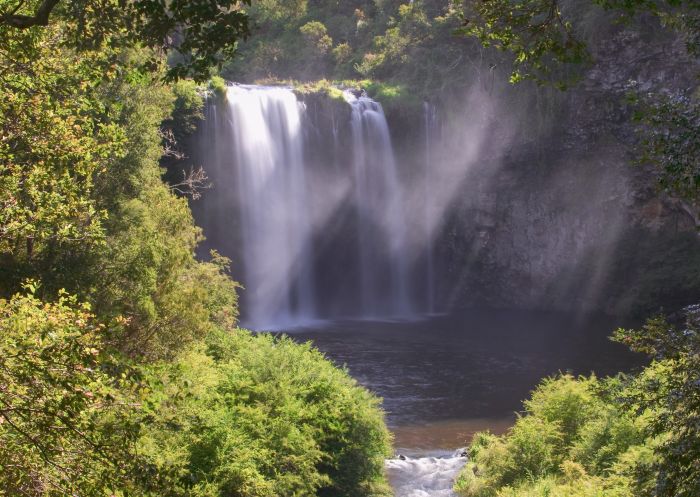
pixel 574 439
pixel 197 33
pixel 122 371
pixel 258 416
pixel 411 43
pixel 237 414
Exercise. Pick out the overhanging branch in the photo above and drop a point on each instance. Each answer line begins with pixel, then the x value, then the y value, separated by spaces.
pixel 40 17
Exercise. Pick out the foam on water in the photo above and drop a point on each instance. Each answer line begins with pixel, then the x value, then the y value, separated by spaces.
pixel 431 476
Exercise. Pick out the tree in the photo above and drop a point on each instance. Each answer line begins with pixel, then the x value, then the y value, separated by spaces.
pixel 54 144
pixel 668 393
pixel 316 47
pixel 201 32
pixel 67 423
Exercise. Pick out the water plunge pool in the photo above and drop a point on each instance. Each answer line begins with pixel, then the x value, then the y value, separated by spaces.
pixel 443 378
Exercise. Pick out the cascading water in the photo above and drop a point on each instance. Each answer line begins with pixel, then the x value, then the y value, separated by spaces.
pixel 266 146
pixel 430 123
pixel 285 190
pixel 379 200
pixel 425 476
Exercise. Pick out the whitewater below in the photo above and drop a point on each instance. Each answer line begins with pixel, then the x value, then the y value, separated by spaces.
pixel 426 476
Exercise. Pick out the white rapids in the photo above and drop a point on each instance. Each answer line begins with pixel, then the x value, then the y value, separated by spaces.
pixel 432 476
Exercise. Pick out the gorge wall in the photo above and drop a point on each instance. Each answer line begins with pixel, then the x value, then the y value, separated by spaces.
pixel 553 213
pixel 513 197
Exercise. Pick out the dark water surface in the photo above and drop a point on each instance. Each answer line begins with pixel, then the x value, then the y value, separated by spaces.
pixel 442 378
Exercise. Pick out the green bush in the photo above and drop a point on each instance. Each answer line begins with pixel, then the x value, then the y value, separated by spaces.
pixel 64 419
pixel 533 447
pixel 603 439
pixel 527 452
pixel 566 401
pixel 264 416
pixel 218 86
pixel 573 440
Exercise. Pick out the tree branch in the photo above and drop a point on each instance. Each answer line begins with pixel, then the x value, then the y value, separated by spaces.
pixel 192 184
pixel 40 17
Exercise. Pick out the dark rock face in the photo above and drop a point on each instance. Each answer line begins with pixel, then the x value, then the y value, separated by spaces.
pixel 564 220
pixel 528 196
pixel 583 239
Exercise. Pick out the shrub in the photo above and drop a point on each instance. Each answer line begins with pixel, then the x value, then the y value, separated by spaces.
pixel 603 439
pixel 218 86
pixel 471 484
pixel 533 447
pixel 567 402
pixel 573 440
pixel 265 416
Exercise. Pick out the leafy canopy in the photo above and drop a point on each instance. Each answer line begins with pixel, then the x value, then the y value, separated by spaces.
pixel 544 39
pixel 201 33
pixel 65 416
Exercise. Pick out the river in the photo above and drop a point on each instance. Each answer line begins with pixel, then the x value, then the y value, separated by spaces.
pixel 443 378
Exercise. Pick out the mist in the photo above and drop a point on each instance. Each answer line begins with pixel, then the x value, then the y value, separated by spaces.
pixel 335 209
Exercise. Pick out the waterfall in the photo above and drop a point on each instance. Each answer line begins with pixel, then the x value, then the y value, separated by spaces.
pixel 379 199
pixel 266 147
pixel 430 123
pixel 313 217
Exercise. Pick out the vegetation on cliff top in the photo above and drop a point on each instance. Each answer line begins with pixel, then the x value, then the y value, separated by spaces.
pixel 402 43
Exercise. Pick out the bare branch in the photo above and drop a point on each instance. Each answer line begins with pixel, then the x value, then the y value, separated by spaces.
pixel 192 184
pixel 170 145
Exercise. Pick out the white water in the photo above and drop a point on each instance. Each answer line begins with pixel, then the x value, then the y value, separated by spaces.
pixel 430 123
pixel 267 150
pixel 425 476
pixel 274 200
pixel 379 200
